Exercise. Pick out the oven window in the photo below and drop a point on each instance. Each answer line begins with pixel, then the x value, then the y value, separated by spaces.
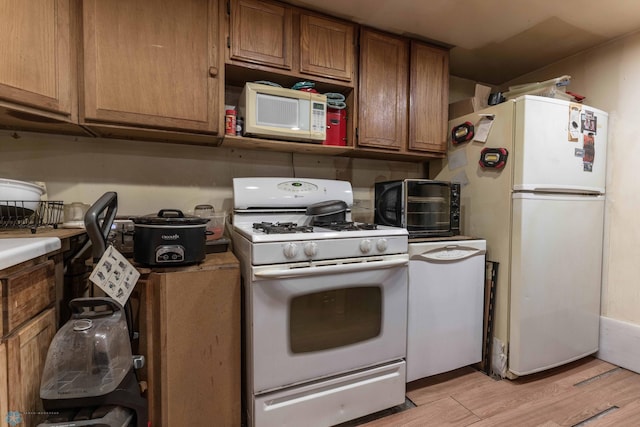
pixel 332 319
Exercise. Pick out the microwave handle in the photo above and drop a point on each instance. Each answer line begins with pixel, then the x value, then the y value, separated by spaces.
pixel 380 209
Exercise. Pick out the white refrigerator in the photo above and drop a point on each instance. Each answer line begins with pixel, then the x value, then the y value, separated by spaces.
pixel 541 211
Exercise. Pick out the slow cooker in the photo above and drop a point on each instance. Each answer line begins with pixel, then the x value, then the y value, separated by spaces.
pixel 169 238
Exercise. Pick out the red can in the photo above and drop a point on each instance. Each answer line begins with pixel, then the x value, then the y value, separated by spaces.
pixel 336 127
pixel 230 122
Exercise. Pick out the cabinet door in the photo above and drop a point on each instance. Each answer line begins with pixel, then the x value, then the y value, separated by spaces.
pixel 261 33
pixel 25 294
pixel 428 105
pixel 326 47
pixel 151 63
pixel 35 69
pixel 4 385
pixel 382 120
pixel 26 353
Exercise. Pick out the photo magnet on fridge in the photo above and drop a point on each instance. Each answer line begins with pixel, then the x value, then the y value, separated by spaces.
pixel 574 124
pixel 589 122
pixel 589 151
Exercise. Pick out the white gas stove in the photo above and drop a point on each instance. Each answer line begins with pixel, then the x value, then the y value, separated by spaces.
pixel 325 303
pixel 271 214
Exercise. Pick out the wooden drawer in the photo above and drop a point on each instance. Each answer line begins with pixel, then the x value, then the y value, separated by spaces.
pixel 22 358
pixel 25 293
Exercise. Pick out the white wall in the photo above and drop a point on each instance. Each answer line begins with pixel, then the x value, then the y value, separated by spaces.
pixel 152 176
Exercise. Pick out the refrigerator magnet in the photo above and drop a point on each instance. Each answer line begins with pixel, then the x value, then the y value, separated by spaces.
pixel 589 122
pixel 589 152
pixel 574 122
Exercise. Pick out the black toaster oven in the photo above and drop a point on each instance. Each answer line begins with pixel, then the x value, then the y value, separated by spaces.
pixel 426 208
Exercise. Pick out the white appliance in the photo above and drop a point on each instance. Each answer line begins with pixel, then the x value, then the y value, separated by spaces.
pixel 279 113
pixel 446 306
pixel 325 305
pixel 542 216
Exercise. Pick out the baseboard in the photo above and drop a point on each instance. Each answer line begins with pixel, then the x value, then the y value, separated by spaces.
pixel 620 343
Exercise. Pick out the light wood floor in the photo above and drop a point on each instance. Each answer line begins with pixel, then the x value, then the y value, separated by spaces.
pixel 588 392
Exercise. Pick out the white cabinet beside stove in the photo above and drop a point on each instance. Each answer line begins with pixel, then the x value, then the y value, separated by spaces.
pixel 446 305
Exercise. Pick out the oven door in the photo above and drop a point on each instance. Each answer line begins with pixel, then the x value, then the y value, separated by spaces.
pixel 314 320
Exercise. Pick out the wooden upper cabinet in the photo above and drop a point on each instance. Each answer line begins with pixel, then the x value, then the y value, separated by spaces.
pixel 429 97
pixel 403 95
pixel 36 67
pixel 384 78
pixel 151 64
pixel 261 33
pixel 292 42
pixel 326 47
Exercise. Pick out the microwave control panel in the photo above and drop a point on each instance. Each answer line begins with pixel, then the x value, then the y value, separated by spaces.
pixel 318 117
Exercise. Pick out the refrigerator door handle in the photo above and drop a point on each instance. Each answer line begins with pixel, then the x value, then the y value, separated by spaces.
pixel 556 190
pixel 451 253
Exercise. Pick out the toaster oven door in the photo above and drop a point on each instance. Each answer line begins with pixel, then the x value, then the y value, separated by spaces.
pixel 389 203
pixel 428 208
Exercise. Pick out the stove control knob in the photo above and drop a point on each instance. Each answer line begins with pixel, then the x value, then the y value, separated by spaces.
pixel 382 245
pixel 311 249
pixel 365 246
pixel 290 250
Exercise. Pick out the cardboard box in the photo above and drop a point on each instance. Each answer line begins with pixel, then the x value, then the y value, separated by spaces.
pixel 194 309
pixel 470 105
pixel 460 108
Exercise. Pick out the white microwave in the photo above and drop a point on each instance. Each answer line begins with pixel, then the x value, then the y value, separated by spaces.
pixel 279 113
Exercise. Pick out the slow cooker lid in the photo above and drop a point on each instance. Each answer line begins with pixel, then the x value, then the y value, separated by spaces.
pixel 170 217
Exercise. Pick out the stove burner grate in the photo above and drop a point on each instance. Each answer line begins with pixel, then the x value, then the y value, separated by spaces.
pixel 281 227
pixel 345 225
pixel 292 227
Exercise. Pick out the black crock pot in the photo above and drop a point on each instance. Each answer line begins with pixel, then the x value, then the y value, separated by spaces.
pixel 169 238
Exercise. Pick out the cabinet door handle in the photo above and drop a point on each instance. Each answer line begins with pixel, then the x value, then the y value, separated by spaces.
pixel 213 71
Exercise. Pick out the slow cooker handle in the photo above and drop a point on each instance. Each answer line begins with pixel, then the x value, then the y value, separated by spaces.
pixel 98 232
pixel 178 213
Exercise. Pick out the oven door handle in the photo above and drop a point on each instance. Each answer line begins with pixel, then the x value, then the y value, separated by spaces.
pixel 281 273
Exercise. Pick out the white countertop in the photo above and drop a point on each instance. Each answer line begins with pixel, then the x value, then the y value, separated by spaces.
pixel 13 251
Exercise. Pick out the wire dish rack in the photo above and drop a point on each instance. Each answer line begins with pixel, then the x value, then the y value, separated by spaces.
pixel 29 214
